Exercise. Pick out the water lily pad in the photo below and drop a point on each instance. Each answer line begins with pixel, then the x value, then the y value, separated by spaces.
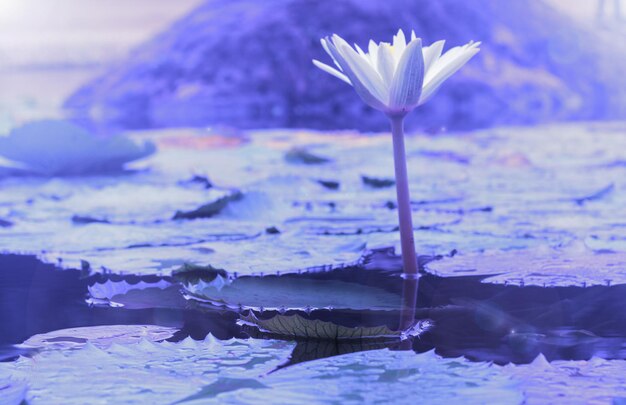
pixel 222 385
pixel 266 253
pixel 108 289
pixel 99 336
pixel 384 376
pixel 589 381
pixel 476 209
pixel 54 148
pixel 291 292
pixel 540 267
pixel 147 372
pixel 297 327
pixel 240 371
pixel 149 202
pixel 116 293
pixel 12 392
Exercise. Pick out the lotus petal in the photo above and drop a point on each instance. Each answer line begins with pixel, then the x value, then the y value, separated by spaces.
pixel 373 51
pixel 361 88
pixel 431 54
pixel 366 73
pixel 399 44
pixel 332 71
pixel 406 87
pixel 325 43
pixel 446 68
pixel 385 63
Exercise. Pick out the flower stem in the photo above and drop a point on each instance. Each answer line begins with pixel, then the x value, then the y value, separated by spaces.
pixel 409 257
pixel 409 300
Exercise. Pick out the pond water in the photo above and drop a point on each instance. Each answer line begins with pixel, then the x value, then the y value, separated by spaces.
pixel 235 268
pixel 489 325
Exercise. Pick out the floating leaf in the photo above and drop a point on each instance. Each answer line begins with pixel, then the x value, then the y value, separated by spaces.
pixel 238 371
pixel 100 336
pixel 108 289
pixel 297 327
pixel 292 292
pixel 151 298
pixel 586 381
pixel 384 376
pixel 56 148
pixel 320 229
pixel 540 267
pixel 109 202
pixel 146 372
pixel 223 385
pixel 12 392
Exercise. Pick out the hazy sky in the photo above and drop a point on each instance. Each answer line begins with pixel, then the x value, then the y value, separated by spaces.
pixel 49 32
pixel 582 9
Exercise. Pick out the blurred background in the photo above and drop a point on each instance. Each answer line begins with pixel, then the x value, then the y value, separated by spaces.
pixel 141 64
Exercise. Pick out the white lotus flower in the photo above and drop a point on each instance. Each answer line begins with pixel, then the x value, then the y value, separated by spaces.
pixel 395 77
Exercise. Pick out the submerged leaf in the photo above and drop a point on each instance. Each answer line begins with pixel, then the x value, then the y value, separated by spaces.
pixel 292 292
pixel 296 326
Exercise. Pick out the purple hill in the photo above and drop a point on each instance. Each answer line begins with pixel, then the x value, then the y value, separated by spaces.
pixel 247 64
